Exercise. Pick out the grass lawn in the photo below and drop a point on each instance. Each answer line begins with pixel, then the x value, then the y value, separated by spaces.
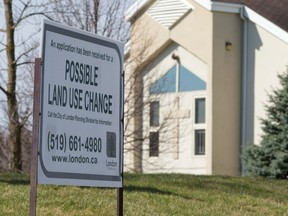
pixel 161 194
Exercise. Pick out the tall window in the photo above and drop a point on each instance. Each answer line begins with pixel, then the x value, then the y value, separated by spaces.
pixel 200 142
pixel 154 135
pixel 154 114
pixel 200 111
pixel 153 144
pixel 200 120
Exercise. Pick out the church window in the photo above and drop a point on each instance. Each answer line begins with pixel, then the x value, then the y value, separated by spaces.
pixel 154 144
pixel 200 142
pixel 154 113
pixel 200 110
pixel 199 126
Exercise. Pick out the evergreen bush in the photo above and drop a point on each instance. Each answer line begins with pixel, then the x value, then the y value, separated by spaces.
pixel 270 158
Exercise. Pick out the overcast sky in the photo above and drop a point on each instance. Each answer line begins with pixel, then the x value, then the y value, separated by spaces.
pixel 22 33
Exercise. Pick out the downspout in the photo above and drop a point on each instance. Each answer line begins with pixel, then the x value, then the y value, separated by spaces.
pixel 244 86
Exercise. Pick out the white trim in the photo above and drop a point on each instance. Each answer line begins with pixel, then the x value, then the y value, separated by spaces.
pixel 205 3
pixel 244 86
pixel 249 13
pixel 223 7
pixel 168 12
pixel 199 126
pixel 266 24
pixel 140 4
pixel 220 6
pixel 226 7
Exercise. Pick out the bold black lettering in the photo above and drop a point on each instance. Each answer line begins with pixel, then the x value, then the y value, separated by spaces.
pixel 110 104
pixel 95 76
pixel 67 68
pixel 76 72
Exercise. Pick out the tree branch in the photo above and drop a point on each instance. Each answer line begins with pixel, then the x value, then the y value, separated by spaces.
pixel 4 90
pixel 24 54
pixel 30 15
pixel 24 63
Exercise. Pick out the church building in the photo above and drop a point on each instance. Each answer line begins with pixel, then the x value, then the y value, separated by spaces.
pixel 197 76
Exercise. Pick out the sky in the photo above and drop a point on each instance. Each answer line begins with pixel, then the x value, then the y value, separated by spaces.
pixel 22 33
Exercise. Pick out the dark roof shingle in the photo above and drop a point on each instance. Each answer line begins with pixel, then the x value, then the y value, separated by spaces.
pixel 274 10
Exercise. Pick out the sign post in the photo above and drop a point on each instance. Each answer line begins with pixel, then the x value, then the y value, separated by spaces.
pixel 81 141
pixel 78 112
pixel 35 139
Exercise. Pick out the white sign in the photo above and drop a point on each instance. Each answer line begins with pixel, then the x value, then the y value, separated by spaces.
pixel 81 108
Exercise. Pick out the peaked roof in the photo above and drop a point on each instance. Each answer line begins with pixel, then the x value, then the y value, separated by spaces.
pixel 274 10
pixel 272 15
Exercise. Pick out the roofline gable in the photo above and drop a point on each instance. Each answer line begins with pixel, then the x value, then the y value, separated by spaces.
pixel 222 7
pixel 265 24
pixel 248 13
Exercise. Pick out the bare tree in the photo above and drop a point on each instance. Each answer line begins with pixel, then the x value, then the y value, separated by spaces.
pixel 104 18
pixel 16 51
pixel 17 48
pixel 107 18
pixel 141 73
pixel 4 152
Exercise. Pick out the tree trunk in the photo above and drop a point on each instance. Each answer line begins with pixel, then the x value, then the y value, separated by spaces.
pixel 12 104
pixel 138 118
pixel 96 14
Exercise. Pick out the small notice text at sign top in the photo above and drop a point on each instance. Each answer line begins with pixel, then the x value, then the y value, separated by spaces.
pixel 81 139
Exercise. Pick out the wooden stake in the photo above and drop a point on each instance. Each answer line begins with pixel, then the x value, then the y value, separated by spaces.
pixel 35 139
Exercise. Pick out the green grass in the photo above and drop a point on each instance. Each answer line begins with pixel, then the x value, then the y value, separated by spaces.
pixel 161 194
